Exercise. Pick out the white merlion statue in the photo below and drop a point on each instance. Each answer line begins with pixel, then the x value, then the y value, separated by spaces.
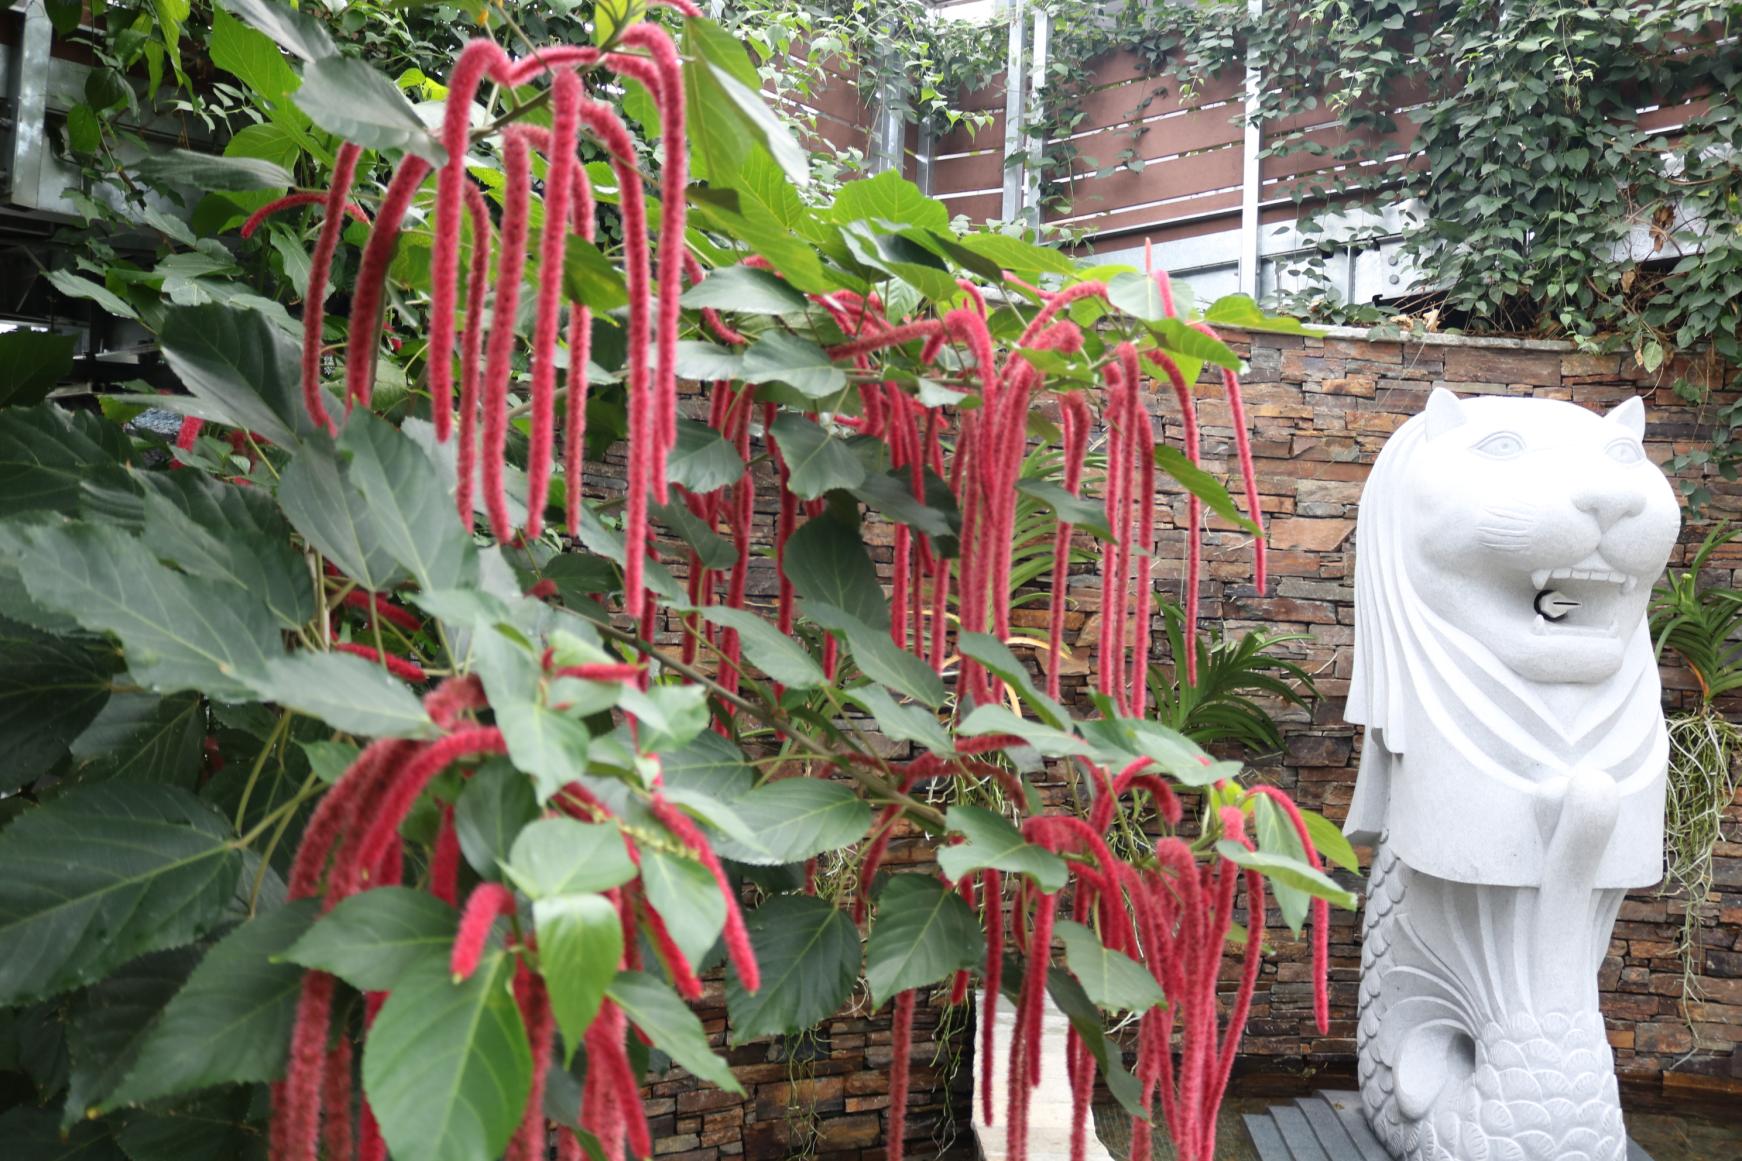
pixel 1512 778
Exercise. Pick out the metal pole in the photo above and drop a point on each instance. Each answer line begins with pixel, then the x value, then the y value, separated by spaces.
pixel 1251 177
pixel 1036 80
pixel 1013 136
pixel 29 99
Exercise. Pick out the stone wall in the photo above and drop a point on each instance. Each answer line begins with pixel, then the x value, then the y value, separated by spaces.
pixel 1320 409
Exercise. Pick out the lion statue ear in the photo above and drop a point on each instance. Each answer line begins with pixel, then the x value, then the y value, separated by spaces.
pixel 1444 412
pixel 1630 414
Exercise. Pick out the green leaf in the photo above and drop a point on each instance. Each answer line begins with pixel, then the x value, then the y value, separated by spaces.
pixel 675 1030
pixel 411 506
pixel 252 57
pixel 139 737
pixel 1017 255
pixel 706 362
pixel 1239 310
pixel 231 1024
pixel 51 689
pixel 204 171
pixel 561 856
pixel 580 941
pixel 1137 295
pixel 345 96
pixel 548 744
pixel 889 197
pixel 496 804
pixel 1077 511
pixel 707 764
pixel 73 286
pixel 332 514
pixel 610 17
pixel 33 1134
pixel 31 363
pixel 1290 872
pixel 687 898
pixel 879 657
pixel 796 818
pixel 779 656
pixel 903 722
pixel 179 631
pixel 712 550
pixel 800 364
pixel 826 562
pixel 818 459
pixel 936 516
pixel 46 455
pixel 992 842
pixel 297 32
pixel 1202 485
pixel 808 952
pixel 346 692
pixel 447 1067
pixel 744 290
pixel 110 1021
pixel 669 715
pixel 592 279
pixel 230 534
pixel 1186 340
pixel 1113 980
pixel 240 366
pixel 103 874
pixel 923 934
pixel 1327 838
pixel 703 461
pixel 997 719
pixel 1001 663
pixel 373 939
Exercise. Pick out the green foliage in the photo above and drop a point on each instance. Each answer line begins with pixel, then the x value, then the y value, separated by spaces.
pixel 1232 671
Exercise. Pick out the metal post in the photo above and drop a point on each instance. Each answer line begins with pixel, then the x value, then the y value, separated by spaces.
pixel 1036 80
pixel 1251 178
pixel 1013 94
pixel 29 100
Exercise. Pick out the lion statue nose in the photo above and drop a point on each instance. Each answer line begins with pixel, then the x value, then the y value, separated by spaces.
pixel 1609 504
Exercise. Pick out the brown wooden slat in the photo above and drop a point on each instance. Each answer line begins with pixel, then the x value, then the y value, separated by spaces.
pixel 1187 132
pixel 978 207
pixel 1198 173
pixel 964 138
pixel 976 172
pixel 1117 104
pixel 1226 204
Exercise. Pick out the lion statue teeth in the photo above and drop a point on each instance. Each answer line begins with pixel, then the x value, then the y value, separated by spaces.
pixel 1512 776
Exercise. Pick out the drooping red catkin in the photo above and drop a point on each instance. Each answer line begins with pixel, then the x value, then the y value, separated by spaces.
pixel 1248 473
pixel 528 1143
pixel 1321 909
pixel 444 860
pixel 395 802
pixel 319 270
pixel 361 347
pixel 901 1053
pixel 1188 409
pixel 188 432
pixel 291 201
pixel 1074 412
pixel 479 57
pixel 399 667
pixel 471 355
pixel 602 671
pixel 377 607
pixel 602 1113
pixel 446 702
pixel 677 964
pixel 336 1096
pixel 511 266
pixel 297 1119
pixel 737 936
pixel 487 903
pixel 992 910
pixel 580 350
pixel 553 244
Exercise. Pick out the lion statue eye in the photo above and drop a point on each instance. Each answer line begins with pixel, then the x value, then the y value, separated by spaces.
pixel 1502 445
pixel 1625 451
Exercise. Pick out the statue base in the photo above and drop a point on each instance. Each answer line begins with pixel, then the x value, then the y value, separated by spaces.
pixel 1329 1126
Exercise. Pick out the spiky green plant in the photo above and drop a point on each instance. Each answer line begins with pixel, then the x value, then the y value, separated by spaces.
pixel 1233 672
pixel 1700 625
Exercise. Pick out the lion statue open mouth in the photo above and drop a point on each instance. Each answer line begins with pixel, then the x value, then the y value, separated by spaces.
pixel 1512 777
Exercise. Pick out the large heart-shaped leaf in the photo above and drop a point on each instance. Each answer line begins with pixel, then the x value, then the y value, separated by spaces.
pixel 31 363
pixel 110 1021
pixel 795 819
pixel 562 856
pixel 878 657
pixel 923 933
pixel 447 1066
pixel 826 561
pixel 580 941
pixel 675 1030
pixel 808 952
pixel 345 96
pixel 51 688
pixel 139 737
pixel 817 459
pixel 686 897
pixel 178 631
pixel 1112 979
pixel 993 843
pixel 410 503
pixel 373 939
pixel 231 1023
pixel 46 456
pixel 105 873
pixel 346 692
pixel 241 366
pixel 779 656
